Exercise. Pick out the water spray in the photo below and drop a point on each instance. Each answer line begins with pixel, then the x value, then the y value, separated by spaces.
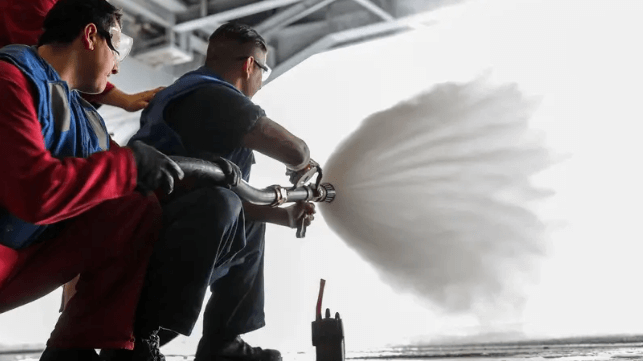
pixel 452 216
pixel 303 190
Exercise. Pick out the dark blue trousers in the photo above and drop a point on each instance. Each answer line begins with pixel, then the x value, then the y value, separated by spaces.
pixel 205 242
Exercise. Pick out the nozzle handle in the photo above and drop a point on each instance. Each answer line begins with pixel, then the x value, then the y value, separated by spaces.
pixel 301 228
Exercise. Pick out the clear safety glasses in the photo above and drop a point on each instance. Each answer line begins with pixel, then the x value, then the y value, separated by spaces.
pixel 122 43
pixel 119 43
pixel 265 69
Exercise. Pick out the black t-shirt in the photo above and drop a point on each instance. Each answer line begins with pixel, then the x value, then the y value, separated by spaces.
pixel 214 119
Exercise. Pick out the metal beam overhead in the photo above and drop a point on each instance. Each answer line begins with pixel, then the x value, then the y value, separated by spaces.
pixel 174 6
pixel 290 44
pixel 281 16
pixel 198 45
pixel 317 47
pixel 297 17
pixel 368 4
pixel 204 8
pixel 140 9
pixel 351 35
pixel 233 14
pixel 410 22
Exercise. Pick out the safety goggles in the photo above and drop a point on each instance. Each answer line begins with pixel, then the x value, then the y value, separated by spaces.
pixel 265 69
pixel 119 43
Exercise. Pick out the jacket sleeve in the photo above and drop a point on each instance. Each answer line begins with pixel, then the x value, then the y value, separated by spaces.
pixel 34 185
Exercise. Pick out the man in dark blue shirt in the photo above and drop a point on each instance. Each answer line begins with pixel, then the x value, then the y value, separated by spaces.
pixel 208 113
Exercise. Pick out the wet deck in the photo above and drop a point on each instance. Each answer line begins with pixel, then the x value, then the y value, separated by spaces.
pixel 532 352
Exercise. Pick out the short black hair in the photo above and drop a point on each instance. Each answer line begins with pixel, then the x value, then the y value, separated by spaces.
pixel 67 18
pixel 242 33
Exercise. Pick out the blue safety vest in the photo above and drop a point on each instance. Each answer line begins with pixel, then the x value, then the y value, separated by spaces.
pixel 156 132
pixel 71 127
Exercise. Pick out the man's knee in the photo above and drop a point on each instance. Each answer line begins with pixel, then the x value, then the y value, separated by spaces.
pixel 204 213
pixel 221 204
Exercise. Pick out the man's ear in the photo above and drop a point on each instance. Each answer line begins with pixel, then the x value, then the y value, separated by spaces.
pixel 90 36
pixel 248 66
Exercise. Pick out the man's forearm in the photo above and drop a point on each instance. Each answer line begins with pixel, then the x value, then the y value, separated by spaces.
pixel 303 155
pixel 114 97
pixel 274 141
pixel 267 214
pixel 130 102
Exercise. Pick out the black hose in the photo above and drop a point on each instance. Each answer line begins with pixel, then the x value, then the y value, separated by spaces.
pixel 193 167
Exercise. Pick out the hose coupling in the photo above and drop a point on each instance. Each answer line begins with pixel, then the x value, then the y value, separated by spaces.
pixel 281 195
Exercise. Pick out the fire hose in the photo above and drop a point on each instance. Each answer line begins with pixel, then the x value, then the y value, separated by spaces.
pixel 273 196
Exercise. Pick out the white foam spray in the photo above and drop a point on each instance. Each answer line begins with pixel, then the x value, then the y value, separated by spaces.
pixel 436 192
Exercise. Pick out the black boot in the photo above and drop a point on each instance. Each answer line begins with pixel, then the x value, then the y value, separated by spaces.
pixel 69 354
pixel 234 349
pixel 146 348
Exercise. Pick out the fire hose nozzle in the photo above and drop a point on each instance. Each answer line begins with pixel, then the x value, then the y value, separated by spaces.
pixel 273 196
pixel 325 192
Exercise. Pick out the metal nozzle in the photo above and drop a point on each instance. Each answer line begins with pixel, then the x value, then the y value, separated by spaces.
pixel 326 192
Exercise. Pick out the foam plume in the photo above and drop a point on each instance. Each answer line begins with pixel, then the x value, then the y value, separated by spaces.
pixel 435 193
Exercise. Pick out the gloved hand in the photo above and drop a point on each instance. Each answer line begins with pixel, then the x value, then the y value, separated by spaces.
pixel 155 169
pixel 298 211
pixel 230 170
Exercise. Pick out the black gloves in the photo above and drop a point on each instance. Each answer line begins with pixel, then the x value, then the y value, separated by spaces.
pixel 231 171
pixel 155 169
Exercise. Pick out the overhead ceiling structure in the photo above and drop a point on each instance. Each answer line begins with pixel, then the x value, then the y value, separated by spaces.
pixel 174 33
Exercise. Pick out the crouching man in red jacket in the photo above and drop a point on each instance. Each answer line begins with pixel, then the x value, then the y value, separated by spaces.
pixel 72 202
pixel 21 23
